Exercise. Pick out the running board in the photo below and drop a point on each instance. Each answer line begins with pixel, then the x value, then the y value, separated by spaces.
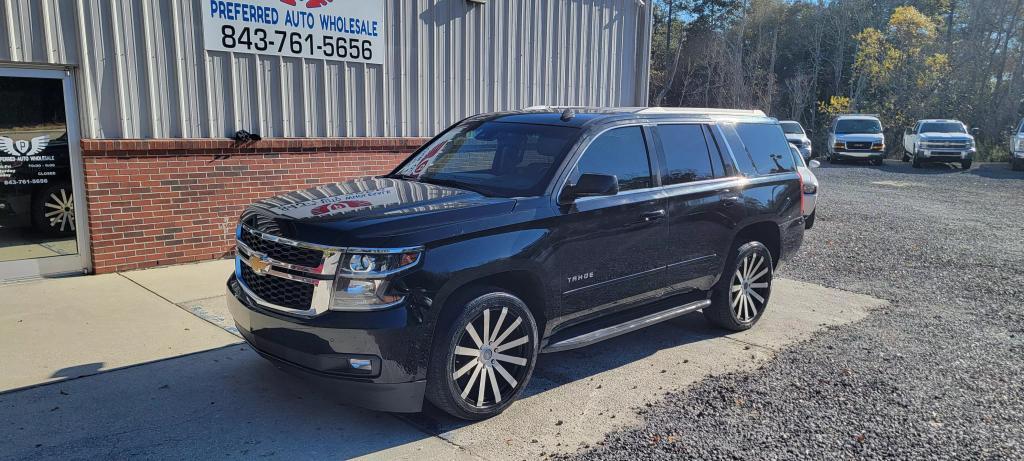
pixel 625 327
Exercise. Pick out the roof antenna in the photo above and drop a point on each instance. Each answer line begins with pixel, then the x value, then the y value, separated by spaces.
pixel 568 114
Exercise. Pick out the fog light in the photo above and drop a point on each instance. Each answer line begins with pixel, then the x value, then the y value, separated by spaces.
pixel 361 364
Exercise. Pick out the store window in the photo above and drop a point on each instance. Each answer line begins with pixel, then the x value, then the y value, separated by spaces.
pixel 37 206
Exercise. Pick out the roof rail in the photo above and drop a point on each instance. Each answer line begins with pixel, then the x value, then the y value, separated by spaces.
pixel 862 115
pixel 700 111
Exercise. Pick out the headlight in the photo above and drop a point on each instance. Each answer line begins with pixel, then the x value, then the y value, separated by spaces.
pixel 364 277
pixel 878 146
pixel 970 144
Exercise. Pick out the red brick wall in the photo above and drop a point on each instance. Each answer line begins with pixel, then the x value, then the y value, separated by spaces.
pixel 159 202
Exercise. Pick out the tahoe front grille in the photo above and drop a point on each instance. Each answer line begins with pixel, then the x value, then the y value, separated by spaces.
pixel 280 291
pixel 281 252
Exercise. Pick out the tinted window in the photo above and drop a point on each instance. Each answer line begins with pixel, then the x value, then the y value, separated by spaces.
pixel 798 159
pixel 767 147
pixel 493 158
pixel 850 126
pixel 620 152
pixel 716 156
pixel 792 128
pixel 739 151
pixel 687 158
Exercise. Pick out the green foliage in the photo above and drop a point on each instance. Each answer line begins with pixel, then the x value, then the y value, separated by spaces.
pixel 810 59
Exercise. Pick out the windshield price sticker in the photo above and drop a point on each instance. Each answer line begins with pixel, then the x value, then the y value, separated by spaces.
pixel 339 30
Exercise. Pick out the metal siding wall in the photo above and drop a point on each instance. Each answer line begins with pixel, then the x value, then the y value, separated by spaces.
pixel 143 73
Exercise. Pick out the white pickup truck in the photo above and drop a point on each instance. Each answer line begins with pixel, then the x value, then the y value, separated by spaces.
pixel 938 141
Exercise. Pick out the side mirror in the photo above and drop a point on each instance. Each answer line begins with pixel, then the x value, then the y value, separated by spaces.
pixel 908 131
pixel 590 185
pixel 813 164
pixel 975 131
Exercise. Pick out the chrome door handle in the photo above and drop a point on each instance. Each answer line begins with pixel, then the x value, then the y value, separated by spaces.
pixel 652 216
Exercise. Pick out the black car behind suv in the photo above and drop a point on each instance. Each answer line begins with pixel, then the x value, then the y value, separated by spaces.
pixel 514 234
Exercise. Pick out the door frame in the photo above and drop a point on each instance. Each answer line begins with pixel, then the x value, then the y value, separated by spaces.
pixel 69 264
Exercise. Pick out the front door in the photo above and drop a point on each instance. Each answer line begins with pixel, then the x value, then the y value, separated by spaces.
pixel 41 214
pixel 608 249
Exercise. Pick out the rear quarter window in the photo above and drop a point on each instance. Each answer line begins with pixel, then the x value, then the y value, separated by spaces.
pixel 767 147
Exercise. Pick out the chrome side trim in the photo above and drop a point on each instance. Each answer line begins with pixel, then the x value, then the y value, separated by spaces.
pixel 694 260
pixel 623 328
pixel 616 280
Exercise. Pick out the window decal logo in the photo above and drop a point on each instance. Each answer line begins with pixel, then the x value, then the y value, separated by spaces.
pixel 24 148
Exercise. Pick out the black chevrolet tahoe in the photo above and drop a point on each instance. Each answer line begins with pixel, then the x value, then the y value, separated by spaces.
pixel 514 234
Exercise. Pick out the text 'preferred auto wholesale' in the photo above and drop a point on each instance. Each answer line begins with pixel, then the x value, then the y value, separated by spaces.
pixel 514 234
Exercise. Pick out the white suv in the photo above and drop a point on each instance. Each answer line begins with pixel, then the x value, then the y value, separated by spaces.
pixel 856 137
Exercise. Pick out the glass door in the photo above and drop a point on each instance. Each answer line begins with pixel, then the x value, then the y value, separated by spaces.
pixel 42 215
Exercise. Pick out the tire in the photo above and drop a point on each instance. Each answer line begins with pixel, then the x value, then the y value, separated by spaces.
pixel 809 222
pixel 53 210
pixel 966 164
pixel 915 162
pixel 1017 165
pixel 906 157
pixel 877 161
pixel 732 312
pixel 454 373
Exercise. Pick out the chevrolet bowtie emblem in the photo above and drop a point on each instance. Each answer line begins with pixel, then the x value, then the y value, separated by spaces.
pixel 259 265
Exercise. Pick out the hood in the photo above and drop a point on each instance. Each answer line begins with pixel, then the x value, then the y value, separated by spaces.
pixel 372 212
pixel 859 137
pixel 946 136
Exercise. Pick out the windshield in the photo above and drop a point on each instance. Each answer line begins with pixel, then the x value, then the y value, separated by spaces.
pixel 792 128
pixel 492 158
pixel 943 127
pixel 851 126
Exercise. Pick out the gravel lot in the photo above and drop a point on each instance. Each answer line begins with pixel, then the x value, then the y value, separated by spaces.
pixel 939 374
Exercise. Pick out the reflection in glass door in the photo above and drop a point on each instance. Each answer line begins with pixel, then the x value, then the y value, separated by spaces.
pixel 39 232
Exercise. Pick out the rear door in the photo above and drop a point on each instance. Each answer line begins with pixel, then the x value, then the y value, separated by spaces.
pixel 700 198
pixel 608 251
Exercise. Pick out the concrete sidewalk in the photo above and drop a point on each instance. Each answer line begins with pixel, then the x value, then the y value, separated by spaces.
pixel 217 398
pixel 56 329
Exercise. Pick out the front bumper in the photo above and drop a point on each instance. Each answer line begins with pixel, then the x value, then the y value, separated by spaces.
pixel 858 155
pixel 319 349
pixel 934 155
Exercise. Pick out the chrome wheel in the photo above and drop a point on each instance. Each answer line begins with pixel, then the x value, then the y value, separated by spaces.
pixel 750 286
pixel 59 210
pixel 490 358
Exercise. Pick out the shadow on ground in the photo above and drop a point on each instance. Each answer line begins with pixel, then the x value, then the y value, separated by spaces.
pixel 229 403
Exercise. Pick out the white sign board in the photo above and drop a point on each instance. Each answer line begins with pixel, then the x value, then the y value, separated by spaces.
pixel 339 30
